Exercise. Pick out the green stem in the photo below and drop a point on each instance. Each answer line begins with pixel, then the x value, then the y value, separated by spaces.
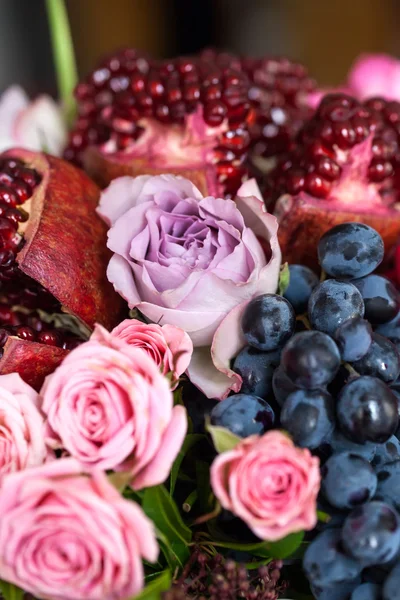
pixel 190 500
pixel 63 54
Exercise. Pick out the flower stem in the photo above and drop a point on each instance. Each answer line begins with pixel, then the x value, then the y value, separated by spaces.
pixel 63 55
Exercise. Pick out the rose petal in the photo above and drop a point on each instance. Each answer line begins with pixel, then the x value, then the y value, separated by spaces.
pixel 41 127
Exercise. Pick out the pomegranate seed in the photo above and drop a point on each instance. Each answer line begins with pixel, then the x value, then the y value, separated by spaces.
pixel 4 335
pixel 8 196
pixel 378 171
pixel 214 113
pixel 6 315
pixel 23 190
pixel 317 186
pixel 26 333
pixel 50 338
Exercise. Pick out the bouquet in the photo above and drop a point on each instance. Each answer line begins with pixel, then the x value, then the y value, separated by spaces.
pixel 200 331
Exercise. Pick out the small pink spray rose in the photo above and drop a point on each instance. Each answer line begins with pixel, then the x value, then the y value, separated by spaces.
pixel 109 406
pixel 189 261
pixel 22 440
pixel 169 347
pixel 269 483
pixel 68 536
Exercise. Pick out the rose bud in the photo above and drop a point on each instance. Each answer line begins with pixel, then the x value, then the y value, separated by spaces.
pixel 53 260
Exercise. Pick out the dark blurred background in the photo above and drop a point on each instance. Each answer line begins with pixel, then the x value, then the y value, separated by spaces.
pixel 324 34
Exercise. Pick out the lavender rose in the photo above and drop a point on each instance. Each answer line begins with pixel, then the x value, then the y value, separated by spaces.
pixel 189 261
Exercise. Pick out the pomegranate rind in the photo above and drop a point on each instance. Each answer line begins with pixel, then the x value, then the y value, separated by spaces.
pixel 31 360
pixel 65 241
pixel 303 220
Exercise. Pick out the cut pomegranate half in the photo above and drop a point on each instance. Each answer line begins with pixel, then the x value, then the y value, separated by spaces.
pixel 184 116
pixel 53 262
pixel 345 167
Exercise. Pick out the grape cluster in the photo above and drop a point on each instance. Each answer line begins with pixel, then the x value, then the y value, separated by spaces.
pixel 323 362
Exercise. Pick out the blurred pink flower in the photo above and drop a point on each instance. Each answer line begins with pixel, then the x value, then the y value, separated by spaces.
pixel 269 483
pixel 109 406
pixel 68 536
pixel 22 442
pixel 168 346
pixel 36 125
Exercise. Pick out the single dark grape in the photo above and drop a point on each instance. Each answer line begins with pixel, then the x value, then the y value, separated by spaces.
pixel 367 591
pixel 268 322
pixel 371 533
pixel 244 415
pixel 332 303
pixel 387 452
pixel 256 369
pixel 309 417
pixel 389 483
pixel 282 386
pixel 326 564
pixel 391 330
pixel 367 410
pixel 338 591
pixel 340 443
pixel 348 480
pixel 354 338
pixel 301 283
pixel 381 299
pixel 391 587
pixel 310 359
pixel 350 250
pixel 382 360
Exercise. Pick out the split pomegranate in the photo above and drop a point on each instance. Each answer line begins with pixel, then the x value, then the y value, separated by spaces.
pixel 184 116
pixel 278 92
pixel 52 263
pixel 345 167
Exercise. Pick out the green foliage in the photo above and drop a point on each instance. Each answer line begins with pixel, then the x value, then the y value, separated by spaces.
pixel 284 279
pixel 157 584
pixel 190 440
pixel 9 591
pixel 222 438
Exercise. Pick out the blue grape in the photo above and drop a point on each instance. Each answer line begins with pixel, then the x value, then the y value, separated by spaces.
pixel 354 338
pixel 268 322
pixel 381 298
pixel 371 533
pixel 325 563
pixel 391 330
pixel 310 359
pixel 332 303
pixel 350 250
pixel 301 283
pixel 309 417
pixel 243 414
pixel 367 591
pixel 387 452
pixel 391 587
pixel 339 591
pixel 282 386
pixel 389 483
pixel 340 443
pixel 348 480
pixel 367 410
pixel 256 369
pixel 382 360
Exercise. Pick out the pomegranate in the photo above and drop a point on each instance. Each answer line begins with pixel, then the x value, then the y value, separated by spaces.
pixel 345 166
pixel 279 93
pixel 53 260
pixel 185 116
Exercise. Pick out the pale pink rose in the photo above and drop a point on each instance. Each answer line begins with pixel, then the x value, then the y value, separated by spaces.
pixel 22 442
pixel 169 347
pixel 36 125
pixel 109 406
pixel 270 484
pixel 68 536
pixel 189 261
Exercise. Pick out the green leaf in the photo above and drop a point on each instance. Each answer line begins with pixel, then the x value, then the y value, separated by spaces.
pixel 155 588
pixel 323 516
pixel 284 279
pixel 162 510
pixel 178 396
pixel 10 591
pixel 120 480
pixel 281 549
pixel 205 496
pixel 222 438
pixel 190 440
pixel 63 55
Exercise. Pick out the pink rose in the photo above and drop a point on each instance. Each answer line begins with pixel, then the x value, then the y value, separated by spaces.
pixel 36 125
pixel 68 536
pixel 109 406
pixel 269 483
pixel 22 442
pixel 169 347
pixel 188 261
